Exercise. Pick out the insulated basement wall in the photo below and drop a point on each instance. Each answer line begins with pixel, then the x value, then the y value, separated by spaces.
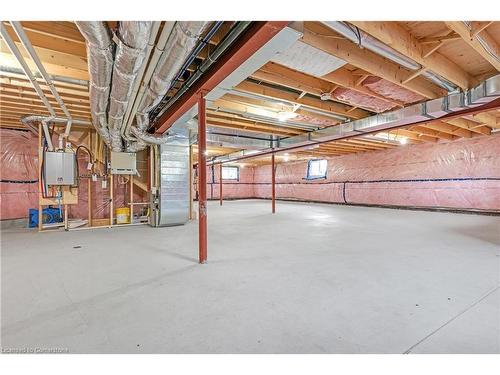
pixel 243 188
pixel 19 181
pixel 462 174
pixel 18 173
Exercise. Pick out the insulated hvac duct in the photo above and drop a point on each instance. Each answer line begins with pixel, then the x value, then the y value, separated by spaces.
pixel 100 54
pixel 182 41
pixel 485 92
pixel 365 40
pixel 133 37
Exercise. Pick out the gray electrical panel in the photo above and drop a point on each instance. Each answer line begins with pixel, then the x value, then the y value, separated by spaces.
pixel 170 200
pixel 60 168
pixel 123 163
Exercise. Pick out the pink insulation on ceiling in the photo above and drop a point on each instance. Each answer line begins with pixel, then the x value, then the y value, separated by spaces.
pixel 19 187
pixel 312 120
pixel 460 174
pixel 361 100
pixel 391 90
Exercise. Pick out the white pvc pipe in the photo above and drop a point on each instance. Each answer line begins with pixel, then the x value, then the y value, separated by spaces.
pixel 31 51
pixel 45 127
pixel 15 51
pixel 68 128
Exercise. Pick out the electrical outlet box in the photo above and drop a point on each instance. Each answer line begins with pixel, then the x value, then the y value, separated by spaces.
pixel 123 163
pixel 60 168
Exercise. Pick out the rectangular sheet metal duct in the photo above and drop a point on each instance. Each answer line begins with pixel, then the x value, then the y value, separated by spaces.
pixel 170 199
pixel 485 92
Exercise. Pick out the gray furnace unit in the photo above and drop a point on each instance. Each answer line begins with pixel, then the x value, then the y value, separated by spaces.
pixel 170 199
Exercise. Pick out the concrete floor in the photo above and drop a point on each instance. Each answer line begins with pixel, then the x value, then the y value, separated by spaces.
pixel 311 279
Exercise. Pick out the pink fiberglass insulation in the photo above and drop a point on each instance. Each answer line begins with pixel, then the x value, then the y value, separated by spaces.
pixel 18 172
pixel 19 186
pixel 243 188
pixel 312 120
pixel 391 90
pixel 101 196
pixel 461 174
pixel 358 99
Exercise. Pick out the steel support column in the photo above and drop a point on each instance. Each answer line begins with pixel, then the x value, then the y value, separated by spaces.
pixel 220 183
pixel 202 179
pixel 273 183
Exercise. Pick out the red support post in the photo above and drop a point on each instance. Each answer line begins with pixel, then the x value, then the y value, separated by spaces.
pixel 220 183
pixel 273 183
pixel 202 179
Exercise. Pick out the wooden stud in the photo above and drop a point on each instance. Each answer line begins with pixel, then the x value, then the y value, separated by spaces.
pixel 40 182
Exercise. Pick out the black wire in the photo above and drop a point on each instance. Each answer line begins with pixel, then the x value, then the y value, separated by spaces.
pixel 19 181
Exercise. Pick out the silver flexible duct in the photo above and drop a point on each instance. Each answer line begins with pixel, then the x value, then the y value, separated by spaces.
pixel 182 41
pixel 483 43
pixel 133 37
pixel 100 55
pixel 363 39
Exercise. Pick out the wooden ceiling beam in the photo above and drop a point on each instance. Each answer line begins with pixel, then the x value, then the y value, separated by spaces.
pixel 339 78
pixel 25 106
pixel 465 33
pixel 378 144
pixel 50 42
pixel 262 125
pixel 316 88
pixel 397 37
pixel 320 36
pixel 30 90
pixel 275 108
pixel 53 67
pixel 61 30
pixel 255 128
pixel 444 127
pixel 487 119
pixel 322 105
pixel 469 125
pixel 477 26
pixel 5 81
pixel 23 95
pixel 411 136
pixel 426 132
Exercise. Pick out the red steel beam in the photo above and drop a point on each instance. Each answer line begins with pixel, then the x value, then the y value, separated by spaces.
pixel 202 179
pixel 220 183
pixel 273 184
pixel 253 39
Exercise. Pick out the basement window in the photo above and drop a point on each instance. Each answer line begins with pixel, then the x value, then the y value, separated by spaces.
pixel 316 169
pixel 231 173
